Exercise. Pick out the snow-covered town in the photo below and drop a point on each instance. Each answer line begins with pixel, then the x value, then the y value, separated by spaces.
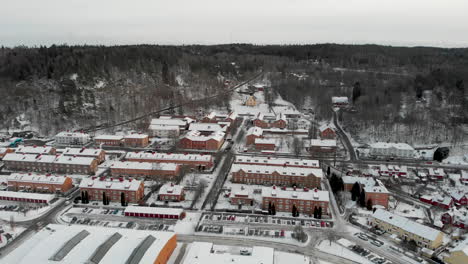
pixel 213 187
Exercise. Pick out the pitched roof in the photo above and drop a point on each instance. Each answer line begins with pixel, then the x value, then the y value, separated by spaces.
pixel 277 161
pixel 34 149
pixel 112 184
pixel 168 156
pixel 256 131
pixel 298 194
pixel 290 171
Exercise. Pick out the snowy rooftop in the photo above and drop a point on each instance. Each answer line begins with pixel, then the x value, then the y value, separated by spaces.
pixel 164 127
pixel 211 115
pixel 257 131
pixel 168 156
pixel 90 244
pixel 72 135
pixel 292 171
pixel 169 121
pixel 108 137
pixel 265 141
pixel 195 135
pixel 36 178
pixel 136 136
pixel 376 188
pixel 436 172
pixel 260 116
pixel 33 150
pixel 323 143
pixel 153 210
pixel 201 253
pixel 325 127
pixel 114 184
pixel 339 99
pixel 277 161
pixel 3 150
pixel 170 188
pixel 406 224
pixel 462 246
pixel 207 127
pixel 82 152
pixel 385 145
pixel 299 194
pixel 28 195
pixel 464 175
pixel 135 165
pixel 59 159
pixel 232 115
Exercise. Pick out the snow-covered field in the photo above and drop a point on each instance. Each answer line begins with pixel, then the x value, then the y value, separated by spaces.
pixel 8 230
pixel 341 251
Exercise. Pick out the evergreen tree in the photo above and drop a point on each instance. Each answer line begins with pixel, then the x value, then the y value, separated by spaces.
pixel 319 212
pixel 328 171
pixel 270 212
pixel 273 209
pixel 369 204
pixel 356 91
pixel 315 212
pixel 355 191
pixel 294 210
pixel 362 199
pixel 103 198
pixel 122 199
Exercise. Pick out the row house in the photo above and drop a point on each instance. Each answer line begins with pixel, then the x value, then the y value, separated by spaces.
pixel 305 201
pixel 276 175
pixel 4 151
pixel 196 161
pixel 393 170
pixel 456 217
pixel 171 193
pixel 265 144
pixel 406 229
pixel 136 140
pixel 209 118
pixel 72 138
pixel 39 183
pixel 374 190
pixel 327 132
pixel 132 191
pixel 252 134
pixel 195 140
pixel 436 173
pixel 154 212
pixel 50 163
pixel 98 154
pixel 240 197
pixel 274 161
pixel 441 201
pixel 44 150
pixel 459 198
pixel 161 171
pixel 109 140
pixel 280 121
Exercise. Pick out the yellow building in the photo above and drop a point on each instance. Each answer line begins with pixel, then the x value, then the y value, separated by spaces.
pixel 406 229
pixel 459 255
pixel 251 101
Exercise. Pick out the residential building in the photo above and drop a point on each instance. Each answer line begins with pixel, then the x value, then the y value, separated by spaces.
pixel 278 121
pixel 168 127
pixel 319 146
pixel 456 217
pixel 57 243
pixel 393 170
pixel 241 196
pixel 340 101
pixel 253 133
pixel 98 154
pixel 44 150
pixel 96 188
pixel 171 193
pixel 205 253
pixel 459 197
pixel 265 144
pixel 251 101
pixel 208 128
pixel 210 118
pixel 136 140
pixel 459 254
pixel 154 212
pixel 4 151
pixel 50 163
pixel 39 183
pixel 374 189
pixel 436 173
pixel 26 197
pixel 327 132
pixel 442 201
pixel 259 121
pixel 72 138
pixel 406 229
pixel 109 140
pixel 198 161
pixel 304 200
pixel 397 150
pixel 231 117
pixel 276 175
pixel 159 171
pixel 196 140
pixel 464 177
pixel 274 161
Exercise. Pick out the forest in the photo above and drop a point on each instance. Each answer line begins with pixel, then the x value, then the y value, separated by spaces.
pixel 395 90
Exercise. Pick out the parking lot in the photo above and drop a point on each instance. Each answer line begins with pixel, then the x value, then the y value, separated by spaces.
pixel 262 219
pixel 242 231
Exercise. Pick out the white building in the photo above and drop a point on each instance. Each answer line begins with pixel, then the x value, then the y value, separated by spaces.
pixel 274 161
pixel 72 138
pixel 399 150
pixel 205 253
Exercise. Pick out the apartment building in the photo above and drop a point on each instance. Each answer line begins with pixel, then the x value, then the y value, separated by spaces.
pixel 98 154
pixel 113 189
pixel 160 171
pixel 198 161
pixel 72 138
pixel 304 200
pixel 50 163
pixel 274 161
pixel 47 183
pixel 171 193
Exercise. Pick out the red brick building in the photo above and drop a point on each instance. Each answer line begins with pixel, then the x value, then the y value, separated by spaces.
pixel 456 218
pixel 113 189
pixel 160 171
pixel 136 140
pixel 374 189
pixel 25 197
pixel 172 193
pixel 253 133
pixel 459 198
pixel 325 146
pixel 109 140
pixel 196 161
pixel 327 132
pixel 39 183
pixel 50 163
pixel 4 151
pixel 210 118
pixel 43 150
pixel 259 121
pixel 274 161
pixel 265 144
pixel 195 140
pixel 242 196
pixel 304 200
pixel 280 121
pixel 231 118
pixel 98 154
pixel 276 175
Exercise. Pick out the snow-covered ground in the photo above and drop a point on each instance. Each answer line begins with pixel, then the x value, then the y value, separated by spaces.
pixel 8 230
pixel 341 251
pixel 33 210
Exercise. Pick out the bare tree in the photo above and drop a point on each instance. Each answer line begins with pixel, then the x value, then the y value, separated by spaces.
pixel 330 235
pixel 299 233
pixel 297 146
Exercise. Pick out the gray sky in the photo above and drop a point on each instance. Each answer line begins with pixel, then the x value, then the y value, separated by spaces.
pixel 393 22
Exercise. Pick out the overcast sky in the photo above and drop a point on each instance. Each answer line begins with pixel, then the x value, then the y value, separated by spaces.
pixel 392 22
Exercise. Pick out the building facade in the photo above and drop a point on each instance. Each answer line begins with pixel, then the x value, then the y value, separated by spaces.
pixel 72 138
pixel 50 163
pixel 39 183
pixel 160 171
pixel 113 189
pixel 252 134
pixel 98 154
pixel 136 140
pixel 274 161
pixel 109 140
pixel 196 161
pixel 195 140
pixel 171 193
